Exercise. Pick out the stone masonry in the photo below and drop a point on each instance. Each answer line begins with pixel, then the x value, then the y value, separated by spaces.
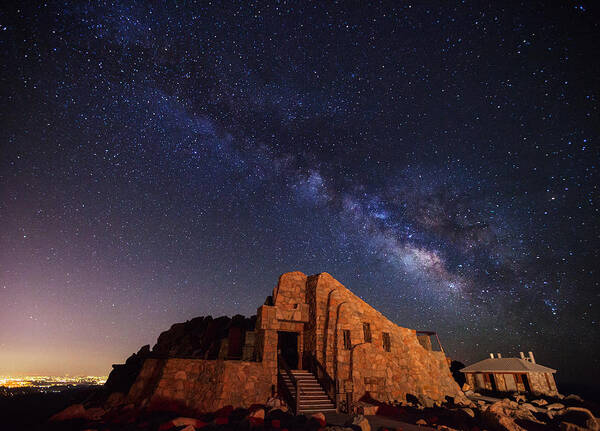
pixel 332 327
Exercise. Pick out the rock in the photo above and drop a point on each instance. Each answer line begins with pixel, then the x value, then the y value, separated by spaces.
pixel 567 426
pixel 94 413
pixel 257 417
pixel 539 402
pixel 273 403
pixel 257 414
pixel 469 412
pixel 574 397
pixel 519 397
pixel 555 406
pixel 188 428
pixel 427 401
pixel 466 387
pixel 320 417
pixel 114 399
pixel 498 416
pixel 421 422
pixel 481 403
pixel 579 417
pixel 75 411
pixel 361 422
pixel 182 422
pixel 467 404
pixel 528 406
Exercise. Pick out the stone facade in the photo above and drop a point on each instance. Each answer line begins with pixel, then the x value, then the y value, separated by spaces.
pixel 193 386
pixel 330 331
pixel 537 383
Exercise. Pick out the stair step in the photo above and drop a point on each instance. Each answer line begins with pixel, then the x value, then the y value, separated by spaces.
pixel 312 396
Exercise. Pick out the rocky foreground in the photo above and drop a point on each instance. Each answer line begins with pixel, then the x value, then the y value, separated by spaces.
pixel 517 413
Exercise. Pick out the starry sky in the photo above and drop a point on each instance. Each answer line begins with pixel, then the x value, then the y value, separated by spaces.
pixel 161 162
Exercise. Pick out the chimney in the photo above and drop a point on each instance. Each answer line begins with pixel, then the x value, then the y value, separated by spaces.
pixel 499 355
pixel 492 355
pixel 522 355
pixel 531 358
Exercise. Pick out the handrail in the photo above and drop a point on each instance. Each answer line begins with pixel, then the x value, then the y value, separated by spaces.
pixel 284 366
pixel 323 377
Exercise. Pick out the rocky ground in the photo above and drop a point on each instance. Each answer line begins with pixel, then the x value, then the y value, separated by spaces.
pixel 509 414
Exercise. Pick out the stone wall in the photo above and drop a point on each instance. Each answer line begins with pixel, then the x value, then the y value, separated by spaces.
pixel 539 383
pixel 318 308
pixel 407 368
pixel 193 386
pixel 505 382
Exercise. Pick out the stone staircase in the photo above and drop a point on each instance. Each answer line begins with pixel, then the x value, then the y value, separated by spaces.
pixel 312 396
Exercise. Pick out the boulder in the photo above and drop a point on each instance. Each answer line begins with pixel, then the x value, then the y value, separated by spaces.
pixel 467 403
pixel 257 417
pixel 421 422
pixel 555 406
pixel 567 426
pixel 361 422
pixel 182 422
pixel 75 411
pixel 274 403
pixel 320 417
pixel 257 414
pixel 574 397
pixel 466 387
pixel 469 412
pixel 519 397
pixel 579 417
pixel 499 416
pixel 528 406
pixel 114 399
pixel 94 413
pixel 539 403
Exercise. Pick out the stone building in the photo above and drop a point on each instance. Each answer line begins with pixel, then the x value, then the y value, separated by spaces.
pixel 315 343
pixel 498 374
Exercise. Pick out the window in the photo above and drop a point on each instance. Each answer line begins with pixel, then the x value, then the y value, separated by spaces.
pixel 387 342
pixel 367 332
pixel 347 340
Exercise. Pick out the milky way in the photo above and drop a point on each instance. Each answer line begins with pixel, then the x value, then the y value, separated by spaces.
pixel 161 163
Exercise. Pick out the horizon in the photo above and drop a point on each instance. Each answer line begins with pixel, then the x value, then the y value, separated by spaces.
pixel 166 162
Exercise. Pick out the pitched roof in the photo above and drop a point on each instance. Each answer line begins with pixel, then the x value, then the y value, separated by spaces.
pixel 509 365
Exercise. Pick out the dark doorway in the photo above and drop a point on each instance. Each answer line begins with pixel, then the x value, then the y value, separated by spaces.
pixel 526 382
pixel 493 382
pixel 288 348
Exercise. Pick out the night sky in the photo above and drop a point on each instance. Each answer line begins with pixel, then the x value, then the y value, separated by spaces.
pixel 164 162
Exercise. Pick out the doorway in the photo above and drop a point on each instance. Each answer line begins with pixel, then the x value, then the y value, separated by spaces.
pixel 526 382
pixel 287 347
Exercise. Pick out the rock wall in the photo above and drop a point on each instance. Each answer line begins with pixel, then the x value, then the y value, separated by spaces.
pixel 194 386
pixel 367 368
